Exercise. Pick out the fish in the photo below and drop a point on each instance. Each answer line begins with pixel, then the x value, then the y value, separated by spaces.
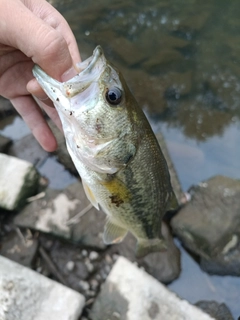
pixel 115 151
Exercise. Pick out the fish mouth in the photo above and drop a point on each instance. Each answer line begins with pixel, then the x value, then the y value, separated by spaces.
pixel 89 71
pixel 87 66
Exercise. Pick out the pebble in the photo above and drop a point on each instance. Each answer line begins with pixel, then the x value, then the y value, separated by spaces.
pixel 84 253
pixel 93 255
pixel 90 266
pixel 108 259
pixel 84 285
pixel 91 293
pixel 70 265
pixel 94 284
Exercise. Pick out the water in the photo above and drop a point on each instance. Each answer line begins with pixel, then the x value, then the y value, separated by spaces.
pixel 182 61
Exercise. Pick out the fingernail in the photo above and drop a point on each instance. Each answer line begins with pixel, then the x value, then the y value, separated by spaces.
pixel 69 74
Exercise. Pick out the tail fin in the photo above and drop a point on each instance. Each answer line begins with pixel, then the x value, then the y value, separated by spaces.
pixel 145 246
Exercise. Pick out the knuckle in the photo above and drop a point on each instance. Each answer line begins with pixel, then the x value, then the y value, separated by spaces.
pixel 53 44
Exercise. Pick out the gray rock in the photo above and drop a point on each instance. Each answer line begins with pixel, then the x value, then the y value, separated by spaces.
pixel 26 295
pixel 130 293
pixel 18 181
pixel 217 310
pixel 52 214
pixel 209 225
pixel 4 143
pixel 164 266
pixel 28 149
pixel 127 51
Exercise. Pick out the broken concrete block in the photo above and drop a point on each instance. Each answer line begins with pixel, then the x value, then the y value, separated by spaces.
pixel 27 295
pixel 164 266
pixel 130 293
pixel 18 181
pixel 54 213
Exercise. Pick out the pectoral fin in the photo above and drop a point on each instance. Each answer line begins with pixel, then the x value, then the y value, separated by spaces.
pixel 113 233
pixel 90 195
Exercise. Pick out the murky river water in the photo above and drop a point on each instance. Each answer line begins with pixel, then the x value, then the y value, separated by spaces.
pixel 182 61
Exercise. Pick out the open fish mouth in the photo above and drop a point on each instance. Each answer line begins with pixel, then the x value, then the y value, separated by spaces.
pixel 89 71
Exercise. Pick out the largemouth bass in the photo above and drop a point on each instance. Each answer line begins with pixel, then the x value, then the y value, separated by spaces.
pixel 115 151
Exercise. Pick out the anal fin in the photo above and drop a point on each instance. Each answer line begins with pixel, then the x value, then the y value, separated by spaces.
pixel 113 233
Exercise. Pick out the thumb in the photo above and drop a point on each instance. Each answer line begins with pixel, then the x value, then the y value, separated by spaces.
pixel 36 38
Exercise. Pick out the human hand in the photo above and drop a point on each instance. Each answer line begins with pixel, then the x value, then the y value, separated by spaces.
pixel 32 31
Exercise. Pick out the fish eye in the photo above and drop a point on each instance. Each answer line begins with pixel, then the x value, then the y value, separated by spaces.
pixel 114 96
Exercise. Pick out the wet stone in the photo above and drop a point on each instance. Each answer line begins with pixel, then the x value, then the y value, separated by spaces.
pixel 165 58
pixel 18 181
pixel 127 51
pixel 130 293
pixel 52 213
pixel 218 311
pixel 164 266
pixel 26 295
pixel 209 225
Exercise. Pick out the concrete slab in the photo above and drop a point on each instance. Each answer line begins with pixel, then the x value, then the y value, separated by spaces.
pixel 130 293
pixel 18 181
pixel 27 295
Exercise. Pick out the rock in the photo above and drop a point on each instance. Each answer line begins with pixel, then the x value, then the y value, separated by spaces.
pixel 225 263
pixel 163 59
pixel 164 266
pixel 209 225
pixel 4 143
pixel 130 293
pixel 28 149
pixel 217 310
pixel 26 295
pixel 19 250
pixel 52 214
pixel 149 90
pixel 18 181
pixel 127 51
